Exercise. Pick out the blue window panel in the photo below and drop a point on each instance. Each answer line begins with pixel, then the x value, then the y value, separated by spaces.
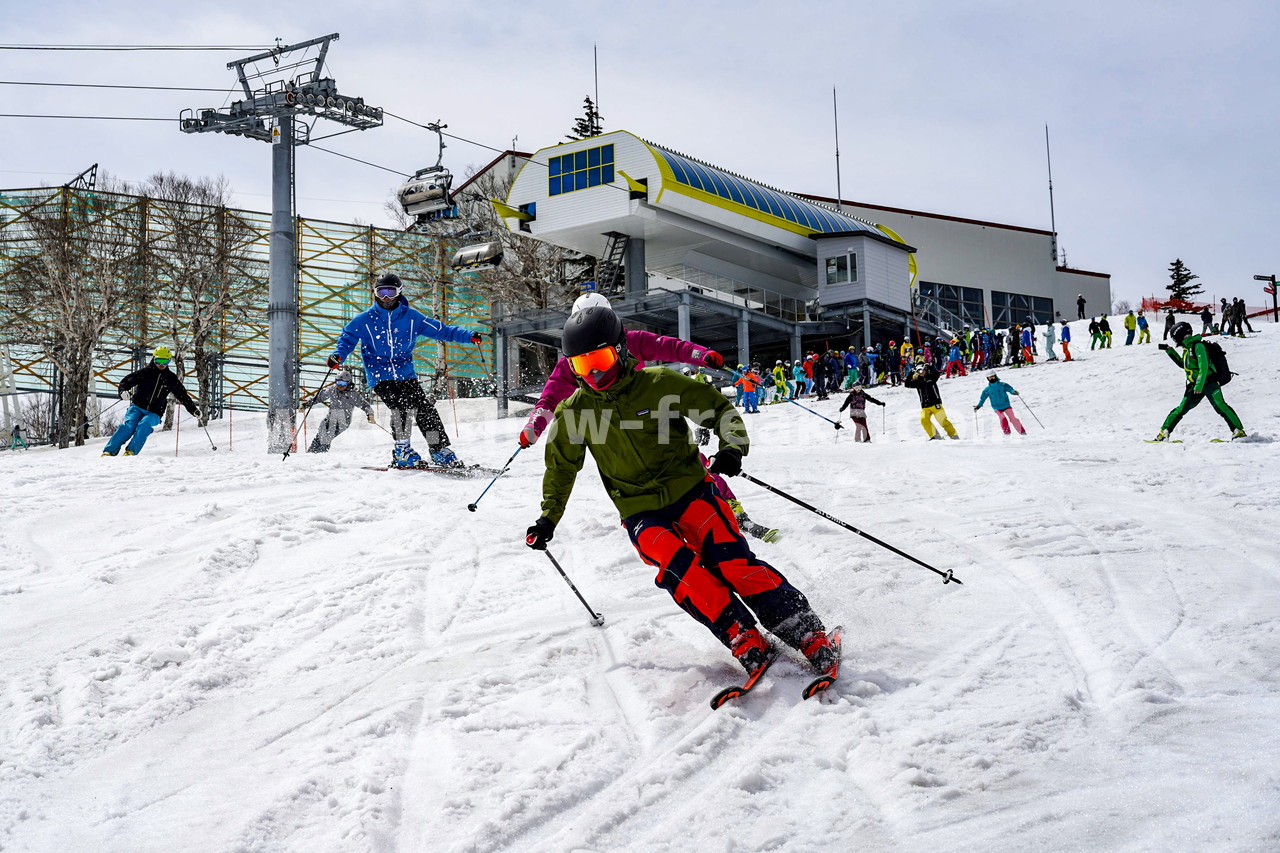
pixel 606 174
pixel 593 177
pixel 553 166
pixel 580 180
pixel 756 200
pixel 553 186
pixel 771 203
pixel 606 153
pixel 789 210
pixel 720 188
pixel 579 161
pixel 593 157
pixel 738 189
pixel 700 178
pixel 531 208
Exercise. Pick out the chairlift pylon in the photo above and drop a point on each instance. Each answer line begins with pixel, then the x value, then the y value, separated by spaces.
pixel 428 190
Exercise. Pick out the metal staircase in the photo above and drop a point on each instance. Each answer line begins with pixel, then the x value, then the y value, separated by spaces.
pixel 609 269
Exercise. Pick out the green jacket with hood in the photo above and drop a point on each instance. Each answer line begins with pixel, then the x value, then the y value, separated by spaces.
pixel 1195 362
pixel 639 438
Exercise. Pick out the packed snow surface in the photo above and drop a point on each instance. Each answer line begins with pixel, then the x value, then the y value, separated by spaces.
pixel 226 651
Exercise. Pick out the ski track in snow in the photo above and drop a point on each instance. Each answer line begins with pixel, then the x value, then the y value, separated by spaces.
pixel 227 652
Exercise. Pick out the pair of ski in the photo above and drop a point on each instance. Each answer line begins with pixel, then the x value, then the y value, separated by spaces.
pixel 465 471
pixel 813 688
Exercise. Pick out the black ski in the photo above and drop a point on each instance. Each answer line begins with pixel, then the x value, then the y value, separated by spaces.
pixel 830 674
pixel 745 687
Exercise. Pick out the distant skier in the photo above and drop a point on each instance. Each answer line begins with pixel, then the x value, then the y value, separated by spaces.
pixel 1206 321
pixel 1144 329
pixel 677 521
pixel 1169 320
pixel 151 387
pixel 1065 336
pixel 1048 342
pixel 925 380
pixel 1028 338
pixel 1080 306
pixel 856 403
pixel 1104 326
pixel 1095 334
pixel 1202 381
pixel 18 438
pixel 998 393
pixel 955 359
pixel 386 335
pixel 1130 327
pixel 342 398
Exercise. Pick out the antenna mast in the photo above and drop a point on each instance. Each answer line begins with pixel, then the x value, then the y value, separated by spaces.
pixel 1053 225
pixel 835 115
pixel 595 66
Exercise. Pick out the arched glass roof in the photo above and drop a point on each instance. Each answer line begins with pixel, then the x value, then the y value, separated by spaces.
pixel 740 191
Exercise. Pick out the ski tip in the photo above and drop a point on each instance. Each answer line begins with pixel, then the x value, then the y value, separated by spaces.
pixel 817 686
pixel 724 696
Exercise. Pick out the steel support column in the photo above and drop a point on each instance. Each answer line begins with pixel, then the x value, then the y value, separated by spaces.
pixel 744 337
pixel 282 295
pixel 682 317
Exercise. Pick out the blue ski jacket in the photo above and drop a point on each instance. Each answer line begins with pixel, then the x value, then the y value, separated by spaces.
pixel 386 339
pixel 998 393
pixel 1066 334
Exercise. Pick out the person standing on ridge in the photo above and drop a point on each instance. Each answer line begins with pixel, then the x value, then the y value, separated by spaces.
pixel 342 397
pixel 998 393
pixel 925 380
pixel 386 335
pixel 151 387
pixel 676 520
pixel 1169 320
pixel 1202 381
pixel 1080 301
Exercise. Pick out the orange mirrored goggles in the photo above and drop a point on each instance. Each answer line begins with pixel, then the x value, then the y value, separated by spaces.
pixel 598 359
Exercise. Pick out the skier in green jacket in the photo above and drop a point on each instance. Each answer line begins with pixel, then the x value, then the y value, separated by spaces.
pixel 1201 382
pixel 633 422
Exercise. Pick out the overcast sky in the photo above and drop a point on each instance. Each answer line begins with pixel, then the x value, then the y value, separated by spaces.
pixel 1163 115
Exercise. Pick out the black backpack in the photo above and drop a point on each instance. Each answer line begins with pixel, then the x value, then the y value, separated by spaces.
pixel 1218 358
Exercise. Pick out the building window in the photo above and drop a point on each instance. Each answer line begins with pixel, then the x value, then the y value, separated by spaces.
pixel 952 305
pixel 580 170
pixel 1010 308
pixel 842 269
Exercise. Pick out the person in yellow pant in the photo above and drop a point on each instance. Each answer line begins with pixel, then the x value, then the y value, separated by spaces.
pixel 925 380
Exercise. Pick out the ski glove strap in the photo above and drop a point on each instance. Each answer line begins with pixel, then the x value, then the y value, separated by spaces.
pixel 728 462
pixel 539 534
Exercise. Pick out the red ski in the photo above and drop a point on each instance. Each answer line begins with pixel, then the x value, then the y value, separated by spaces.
pixel 830 674
pixel 745 687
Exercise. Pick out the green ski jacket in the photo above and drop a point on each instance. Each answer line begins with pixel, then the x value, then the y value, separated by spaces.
pixel 638 436
pixel 1195 362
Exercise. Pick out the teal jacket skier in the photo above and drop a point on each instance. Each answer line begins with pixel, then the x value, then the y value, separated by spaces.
pixel 1201 382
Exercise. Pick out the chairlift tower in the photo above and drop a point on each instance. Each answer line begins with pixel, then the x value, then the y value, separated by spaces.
pixel 281 103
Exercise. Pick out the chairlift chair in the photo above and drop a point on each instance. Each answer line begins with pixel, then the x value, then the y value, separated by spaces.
pixel 478 256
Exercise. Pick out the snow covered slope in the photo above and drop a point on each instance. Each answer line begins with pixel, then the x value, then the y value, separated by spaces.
pixel 221 651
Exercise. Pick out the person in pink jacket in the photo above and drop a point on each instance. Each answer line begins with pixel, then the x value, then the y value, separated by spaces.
pixel 645 346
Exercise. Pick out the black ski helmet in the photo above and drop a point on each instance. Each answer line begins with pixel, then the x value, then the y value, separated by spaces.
pixel 1180 332
pixel 387 279
pixel 592 329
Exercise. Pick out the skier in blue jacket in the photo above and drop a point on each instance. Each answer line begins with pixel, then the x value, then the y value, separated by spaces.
pixel 998 393
pixel 386 335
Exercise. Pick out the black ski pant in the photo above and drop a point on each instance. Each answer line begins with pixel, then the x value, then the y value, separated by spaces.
pixel 334 424
pixel 409 404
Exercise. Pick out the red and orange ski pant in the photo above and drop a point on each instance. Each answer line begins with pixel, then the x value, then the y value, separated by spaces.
pixel 706 565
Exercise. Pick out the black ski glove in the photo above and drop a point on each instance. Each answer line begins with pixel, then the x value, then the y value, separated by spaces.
pixel 728 462
pixel 539 534
pixel 194 411
pixel 333 361
pixel 1162 346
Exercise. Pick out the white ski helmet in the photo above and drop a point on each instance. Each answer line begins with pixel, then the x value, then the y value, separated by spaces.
pixel 589 300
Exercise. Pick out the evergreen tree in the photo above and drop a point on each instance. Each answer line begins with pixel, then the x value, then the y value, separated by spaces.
pixel 589 124
pixel 1181 284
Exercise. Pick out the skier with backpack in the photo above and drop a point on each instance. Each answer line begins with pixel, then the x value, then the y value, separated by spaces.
pixel 673 514
pixel 924 378
pixel 1206 367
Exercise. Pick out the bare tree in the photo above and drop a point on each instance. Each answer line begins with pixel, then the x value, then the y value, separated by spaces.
pixel 204 275
pixel 80 275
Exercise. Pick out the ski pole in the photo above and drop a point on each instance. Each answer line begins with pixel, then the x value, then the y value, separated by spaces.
pixel 1033 414
pixel 206 435
pixel 472 506
pixel 947 577
pixel 310 406
pixel 597 619
pixel 837 424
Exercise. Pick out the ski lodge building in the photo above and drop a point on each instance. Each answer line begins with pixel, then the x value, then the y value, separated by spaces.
pixel 690 249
